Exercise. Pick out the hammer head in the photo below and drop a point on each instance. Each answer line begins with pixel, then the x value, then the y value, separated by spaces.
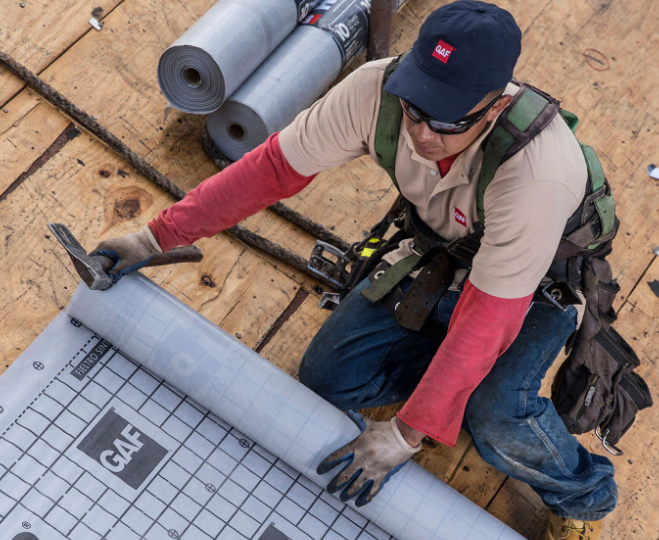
pixel 92 270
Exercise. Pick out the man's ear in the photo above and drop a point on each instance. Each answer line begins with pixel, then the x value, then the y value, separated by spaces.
pixel 499 106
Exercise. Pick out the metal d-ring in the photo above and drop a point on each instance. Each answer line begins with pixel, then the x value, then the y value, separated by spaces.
pixel 610 448
pixel 414 250
pixel 379 274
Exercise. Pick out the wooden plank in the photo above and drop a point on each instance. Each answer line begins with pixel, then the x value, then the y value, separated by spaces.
pixel 286 348
pixel 81 186
pixel 39 32
pixel 27 130
pixel 126 97
pixel 476 480
pixel 518 506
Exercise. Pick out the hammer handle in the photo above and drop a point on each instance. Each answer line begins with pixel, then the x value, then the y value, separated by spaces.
pixel 173 256
pixel 186 254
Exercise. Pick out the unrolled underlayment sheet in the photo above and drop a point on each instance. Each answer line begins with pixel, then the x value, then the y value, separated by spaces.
pixel 131 416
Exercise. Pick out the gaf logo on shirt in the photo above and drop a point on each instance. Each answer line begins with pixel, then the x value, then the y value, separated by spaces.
pixel 443 51
pixel 460 217
pixel 122 449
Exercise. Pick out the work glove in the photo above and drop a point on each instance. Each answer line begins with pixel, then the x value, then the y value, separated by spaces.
pixel 130 252
pixel 369 460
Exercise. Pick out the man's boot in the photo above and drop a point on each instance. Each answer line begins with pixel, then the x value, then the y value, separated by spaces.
pixel 560 528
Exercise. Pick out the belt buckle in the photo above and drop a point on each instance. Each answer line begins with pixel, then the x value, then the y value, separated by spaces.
pixel 458 244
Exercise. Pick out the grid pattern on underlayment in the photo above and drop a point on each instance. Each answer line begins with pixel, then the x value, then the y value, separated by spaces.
pixel 213 482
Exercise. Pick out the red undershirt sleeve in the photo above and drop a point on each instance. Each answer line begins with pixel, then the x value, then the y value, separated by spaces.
pixel 481 329
pixel 261 178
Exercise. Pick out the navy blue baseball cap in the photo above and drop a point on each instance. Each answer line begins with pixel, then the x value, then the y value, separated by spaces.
pixel 464 50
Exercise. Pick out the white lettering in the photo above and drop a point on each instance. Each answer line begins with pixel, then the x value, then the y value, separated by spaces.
pixel 132 437
pixel 111 462
pixel 117 459
pixel 343 30
pixel 442 51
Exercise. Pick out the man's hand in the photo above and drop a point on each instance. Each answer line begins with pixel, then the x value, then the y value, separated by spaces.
pixel 370 460
pixel 130 251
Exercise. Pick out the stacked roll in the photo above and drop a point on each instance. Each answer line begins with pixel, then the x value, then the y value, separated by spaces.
pixel 223 48
pixel 288 82
pixel 293 77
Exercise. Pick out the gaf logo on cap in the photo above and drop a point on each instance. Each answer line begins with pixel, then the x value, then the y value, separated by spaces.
pixel 442 51
pixel 122 449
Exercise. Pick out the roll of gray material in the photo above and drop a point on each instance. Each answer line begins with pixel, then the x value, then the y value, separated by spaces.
pixel 222 49
pixel 293 77
pixel 288 82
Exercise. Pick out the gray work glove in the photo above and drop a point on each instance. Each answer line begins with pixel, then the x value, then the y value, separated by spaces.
pixel 370 460
pixel 130 252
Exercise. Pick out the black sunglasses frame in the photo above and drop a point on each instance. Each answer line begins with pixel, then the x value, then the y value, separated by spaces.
pixel 446 128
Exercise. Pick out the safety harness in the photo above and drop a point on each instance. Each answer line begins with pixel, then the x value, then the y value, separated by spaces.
pixel 588 232
pixel 597 386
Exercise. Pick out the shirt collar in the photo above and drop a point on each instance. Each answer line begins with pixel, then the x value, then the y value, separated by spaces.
pixel 465 165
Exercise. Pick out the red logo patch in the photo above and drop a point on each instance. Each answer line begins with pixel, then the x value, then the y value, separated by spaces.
pixel 443 51
pixel 460 217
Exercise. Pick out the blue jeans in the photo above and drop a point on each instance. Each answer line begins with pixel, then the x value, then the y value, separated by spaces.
pixel 363 358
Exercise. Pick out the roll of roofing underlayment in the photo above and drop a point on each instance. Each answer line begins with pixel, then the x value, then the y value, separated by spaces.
pixel 286 83
pixel 221 50
pixel 293 77
pixel 133 398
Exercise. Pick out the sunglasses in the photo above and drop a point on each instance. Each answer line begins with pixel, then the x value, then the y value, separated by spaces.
pixel 446 128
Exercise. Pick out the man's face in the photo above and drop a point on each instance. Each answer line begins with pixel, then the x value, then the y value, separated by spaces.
pixel 435 146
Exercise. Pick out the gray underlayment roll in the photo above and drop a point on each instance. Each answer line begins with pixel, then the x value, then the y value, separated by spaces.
pixel 288 82
pixel 221 50
pixel 293 77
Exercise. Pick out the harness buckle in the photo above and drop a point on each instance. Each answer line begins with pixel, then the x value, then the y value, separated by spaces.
pixel 460 249
pixel 332 272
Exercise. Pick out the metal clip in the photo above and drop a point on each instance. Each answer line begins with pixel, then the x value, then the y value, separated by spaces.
pixel 610 448
pixel 329 300
pixel 333 273
pixel 412 246
pixel 460 249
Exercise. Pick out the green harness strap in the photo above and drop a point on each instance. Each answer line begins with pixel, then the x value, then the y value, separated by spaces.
pixel 387 130
pixel 392 276
pixel 522 116
pixel 604 205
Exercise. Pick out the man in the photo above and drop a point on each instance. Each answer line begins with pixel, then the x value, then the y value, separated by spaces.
pixel 485 371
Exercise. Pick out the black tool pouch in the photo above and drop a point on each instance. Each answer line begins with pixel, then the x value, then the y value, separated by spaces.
pixel 596 387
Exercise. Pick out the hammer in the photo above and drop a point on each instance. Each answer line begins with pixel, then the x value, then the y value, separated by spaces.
pixel 93 269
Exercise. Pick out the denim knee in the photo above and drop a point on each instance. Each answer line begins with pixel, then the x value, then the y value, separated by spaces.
pixel 311 375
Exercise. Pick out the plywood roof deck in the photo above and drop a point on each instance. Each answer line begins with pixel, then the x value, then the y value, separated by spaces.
pixel 598 57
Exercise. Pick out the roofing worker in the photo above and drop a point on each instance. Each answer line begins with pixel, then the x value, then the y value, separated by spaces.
pixel 482 369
